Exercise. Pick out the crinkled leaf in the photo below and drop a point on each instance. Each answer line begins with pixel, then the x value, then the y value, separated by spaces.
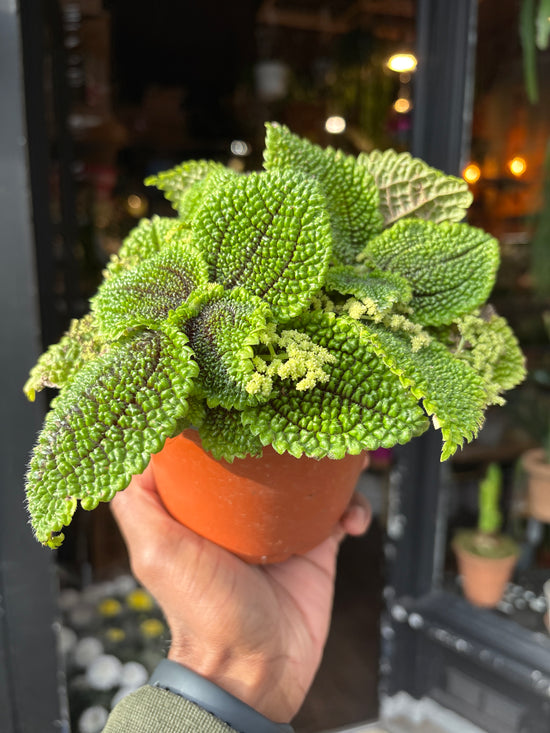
pixel 58 365
pixel 450 267
pixel 144 241
pixel 385 289
pixel 104 426
pixel 269 232
pixel 410 187
pixel 450 390
pixel 223 434
pixel 361 407
pixel 145 295
pixel 186 184
pixel 350 189
pixel 493 351
pixel 222 336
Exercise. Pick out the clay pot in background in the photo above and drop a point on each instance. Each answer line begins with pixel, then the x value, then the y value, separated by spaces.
pixel 538 486
pixel 484 578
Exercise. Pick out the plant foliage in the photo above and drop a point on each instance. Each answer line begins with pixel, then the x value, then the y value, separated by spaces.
pixel 326 305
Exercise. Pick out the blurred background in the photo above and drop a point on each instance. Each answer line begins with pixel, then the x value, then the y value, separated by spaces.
pixel 114 91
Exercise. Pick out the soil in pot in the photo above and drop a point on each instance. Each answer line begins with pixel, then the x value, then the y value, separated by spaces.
pixel 262 509
pixel 538 495
pixel 484 576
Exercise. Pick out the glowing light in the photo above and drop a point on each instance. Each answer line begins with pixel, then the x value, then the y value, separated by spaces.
pixel 402 62
pixel 471 173
pixel 335 125
pixel 402 105
pixel 517 166
pixel 239 147
pixel 136 205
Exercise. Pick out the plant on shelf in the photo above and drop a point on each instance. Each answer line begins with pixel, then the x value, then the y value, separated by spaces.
pixel 323 307
pixel 486 558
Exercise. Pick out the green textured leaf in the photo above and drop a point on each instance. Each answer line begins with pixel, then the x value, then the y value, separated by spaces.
pixel 270 233
pixel 451 268
pixel 410 187
pixel 492 350
pixel 223 434
pixel 384 289
pixel 144 296
pixel 362 406
pixel 186 184
pixel 58 365
pixel 104 426
pixel 144 241
pixel 450 390
pixel 351 193
pixel 222 336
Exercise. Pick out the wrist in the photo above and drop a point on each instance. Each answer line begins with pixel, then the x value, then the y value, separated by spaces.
pixel 249 678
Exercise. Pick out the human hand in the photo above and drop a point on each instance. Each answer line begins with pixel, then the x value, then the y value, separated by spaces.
pixel 257 631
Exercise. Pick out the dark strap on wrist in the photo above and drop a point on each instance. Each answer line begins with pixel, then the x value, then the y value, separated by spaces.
pixel 188 684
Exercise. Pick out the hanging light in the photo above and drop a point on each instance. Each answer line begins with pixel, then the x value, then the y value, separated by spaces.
pixel 402 105
pixel 335 125
pixel 471 173
pixel 402 62
pixel 517 166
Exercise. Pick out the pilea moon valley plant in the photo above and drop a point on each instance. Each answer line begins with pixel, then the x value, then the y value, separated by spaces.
pixel 326 305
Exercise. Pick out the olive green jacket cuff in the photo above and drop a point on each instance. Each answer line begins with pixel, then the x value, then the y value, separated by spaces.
pixel 154 710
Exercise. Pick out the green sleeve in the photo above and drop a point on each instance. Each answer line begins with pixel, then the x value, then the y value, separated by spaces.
pixel 154 710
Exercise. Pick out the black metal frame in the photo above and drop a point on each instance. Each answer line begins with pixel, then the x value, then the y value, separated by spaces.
pixel 30 697
pixel 488 669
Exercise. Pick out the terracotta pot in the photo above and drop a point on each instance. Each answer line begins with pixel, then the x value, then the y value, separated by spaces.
pixel 484 578
pixel 538 486
pixel 262 509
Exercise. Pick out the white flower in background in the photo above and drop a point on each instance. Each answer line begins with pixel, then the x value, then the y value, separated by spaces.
pixel 68 598
pixel 133 675
pixel 81 616
pixel 124 584
pixel 97 591
pixel 104 672
pixel 66 640
pixel 86 650
pixel 93 720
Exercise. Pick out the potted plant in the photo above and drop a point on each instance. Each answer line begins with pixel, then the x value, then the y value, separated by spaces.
pixel 326 306
pixel 486 558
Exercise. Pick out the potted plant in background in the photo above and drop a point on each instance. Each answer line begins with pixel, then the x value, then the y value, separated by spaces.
pixel 326 306
pixel 486 558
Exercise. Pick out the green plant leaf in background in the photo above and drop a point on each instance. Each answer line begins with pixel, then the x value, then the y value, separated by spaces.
pixel 409 187
pixel 350 191
pixel 279 244
pixel 542 23
pixel 104 426
pixel 528 44
pixel 450 267
pixel 490 518
pixel 361 406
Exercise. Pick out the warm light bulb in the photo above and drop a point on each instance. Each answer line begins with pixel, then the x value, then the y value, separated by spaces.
pixel 335 125
pixel 517 166
pixel 471 173
pixel 402 62
pixel 402 105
